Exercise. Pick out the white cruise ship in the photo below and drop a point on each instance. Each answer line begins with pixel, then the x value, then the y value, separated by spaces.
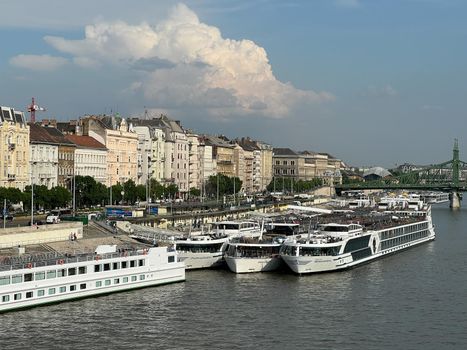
pixel 337 246
pixel 51 278
pixel 207 250
pixel 255 255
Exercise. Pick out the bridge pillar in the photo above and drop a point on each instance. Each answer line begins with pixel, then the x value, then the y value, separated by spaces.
pixel 454 200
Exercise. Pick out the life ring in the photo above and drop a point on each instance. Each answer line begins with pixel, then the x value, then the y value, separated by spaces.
pixel 97 257
pixel 29 266
pixel 61 261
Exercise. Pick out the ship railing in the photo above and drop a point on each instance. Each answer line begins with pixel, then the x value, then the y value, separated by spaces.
pixel 58 259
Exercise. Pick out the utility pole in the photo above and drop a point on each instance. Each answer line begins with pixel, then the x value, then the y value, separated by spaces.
pixel 32 199
pixel 74 192
pixel 4 213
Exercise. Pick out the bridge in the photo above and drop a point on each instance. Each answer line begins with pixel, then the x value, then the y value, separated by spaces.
pixel 450 176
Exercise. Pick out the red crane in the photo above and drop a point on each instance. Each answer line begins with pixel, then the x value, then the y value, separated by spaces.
pixel 32 108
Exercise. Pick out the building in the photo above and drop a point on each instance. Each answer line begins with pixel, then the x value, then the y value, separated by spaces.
pixel 223 158
pixel 90 157
pixel 43 156
pixel 306 166
pixel 121 142
pixel 14 149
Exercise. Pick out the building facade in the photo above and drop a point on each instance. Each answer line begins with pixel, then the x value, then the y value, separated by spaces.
pixel 14 149
pixel 90 157
pixel 43 157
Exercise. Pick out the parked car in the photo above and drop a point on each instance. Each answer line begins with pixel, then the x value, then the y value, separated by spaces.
pixel 8 217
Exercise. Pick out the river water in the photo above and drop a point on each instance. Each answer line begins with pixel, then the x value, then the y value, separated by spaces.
pixel 416 299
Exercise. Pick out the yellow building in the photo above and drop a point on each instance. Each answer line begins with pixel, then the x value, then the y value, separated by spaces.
pixel 14 149
pixel 122 146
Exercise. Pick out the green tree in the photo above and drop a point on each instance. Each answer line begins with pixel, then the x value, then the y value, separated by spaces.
pixel 60 196
pixel 140 193
pixel 117 194
pixel 129 189
pixel 194 192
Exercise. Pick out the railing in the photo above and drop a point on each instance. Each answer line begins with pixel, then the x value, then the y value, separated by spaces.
pixel 54 259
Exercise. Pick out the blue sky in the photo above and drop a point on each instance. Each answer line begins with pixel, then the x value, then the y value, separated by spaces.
pixel 372 82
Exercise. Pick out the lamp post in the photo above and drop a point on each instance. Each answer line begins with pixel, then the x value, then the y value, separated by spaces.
pixel 32 199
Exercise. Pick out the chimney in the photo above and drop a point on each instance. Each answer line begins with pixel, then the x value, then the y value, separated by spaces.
pixel 44 122
pixel 53 122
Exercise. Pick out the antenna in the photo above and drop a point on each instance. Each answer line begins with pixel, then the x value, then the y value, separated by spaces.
pixel 32 108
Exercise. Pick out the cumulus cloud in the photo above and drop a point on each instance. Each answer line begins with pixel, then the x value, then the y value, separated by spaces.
pixel 182 62
pixel 38 62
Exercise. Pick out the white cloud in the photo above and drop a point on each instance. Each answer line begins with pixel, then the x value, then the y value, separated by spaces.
pixel 381 91
pixel 182 62
pixel 38 62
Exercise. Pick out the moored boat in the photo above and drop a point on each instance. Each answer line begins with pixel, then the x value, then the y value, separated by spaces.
pixel 50 278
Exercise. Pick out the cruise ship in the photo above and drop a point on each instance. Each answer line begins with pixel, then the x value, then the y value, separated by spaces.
pixel 206 250
pixel 50 278
pixel 342 242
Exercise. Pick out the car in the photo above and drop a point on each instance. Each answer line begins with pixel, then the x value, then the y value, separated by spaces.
pixel 7 217
pixel 52 219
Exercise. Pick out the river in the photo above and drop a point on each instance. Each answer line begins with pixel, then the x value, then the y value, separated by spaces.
pixel 416 299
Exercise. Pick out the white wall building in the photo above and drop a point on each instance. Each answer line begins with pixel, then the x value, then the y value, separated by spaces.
pixel 43 157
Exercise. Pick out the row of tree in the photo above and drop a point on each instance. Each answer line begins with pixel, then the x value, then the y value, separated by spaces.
pixel 284 184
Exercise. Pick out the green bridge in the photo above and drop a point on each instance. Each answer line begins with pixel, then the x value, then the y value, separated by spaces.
pixel 450 176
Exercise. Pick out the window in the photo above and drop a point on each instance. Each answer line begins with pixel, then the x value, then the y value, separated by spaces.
pixel 81 270
pixel 17 296
pixel 107 267
pixel 82 286
pixel 4 280
pixel 116 280
pixel 97 268
pixel 39 276
pixel 98 284
pixel 134 278
pixel 171 259
pixel 72 271
pixel 40 293
pixel 107 282
pixel 51 291
pixel 62 289
pixel 125 279
pixel 28 277
pixel 124 264
pixel 132 263
pixel 73 288
pixel 29 295
pixel 16 279
pixel 61 273
pixel 115 266
pixel 51 274
pixel 141 277
pixel 141 262
pixel 5 298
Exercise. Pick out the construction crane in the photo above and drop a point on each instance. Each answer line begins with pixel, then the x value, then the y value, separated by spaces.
pixel 32 108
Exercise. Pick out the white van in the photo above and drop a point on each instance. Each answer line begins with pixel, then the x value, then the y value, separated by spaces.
pixel 52 219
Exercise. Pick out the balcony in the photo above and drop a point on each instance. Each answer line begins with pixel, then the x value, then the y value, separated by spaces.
pixel 11 146
pixel 11 177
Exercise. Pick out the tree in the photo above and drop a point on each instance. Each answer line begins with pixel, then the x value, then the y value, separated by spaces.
pixel 171 190
pixel 140 193
pixel 156 189
pixel 129 189
pixel 117 193
pixel 195 192
pixel 60 196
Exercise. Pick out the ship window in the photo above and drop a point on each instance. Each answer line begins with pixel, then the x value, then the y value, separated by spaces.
pixel 134 278
pixel 115 266
pixel 5 299
pixel 40 293
pixel 51 291
pixel 29 295
pixel 39 276
pixel 171 259
pixel 62 289
pixel 16 279
pixel 97 268
pixel 72 271
pixel 132 263
pixel 61 273
pixel 82 286
pixel 116 280
pixel 51 274
pixel 98 284
pixel 81 270
pixel 125 279
pixel 28 277
pixel 17 296
pixel 124 264
pixel 141 277
pixel 72 288
pixel 141 262
pixel 107 267
pixel 107 282
pixel 4 280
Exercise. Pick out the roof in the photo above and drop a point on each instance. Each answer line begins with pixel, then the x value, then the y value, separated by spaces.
pixel 58 136
pixel 85 142
pixel 284 152
pixel 379 171
pixel 217 141
pixel 39 134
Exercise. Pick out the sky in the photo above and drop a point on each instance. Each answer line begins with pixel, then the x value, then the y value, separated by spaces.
pixel 372 82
